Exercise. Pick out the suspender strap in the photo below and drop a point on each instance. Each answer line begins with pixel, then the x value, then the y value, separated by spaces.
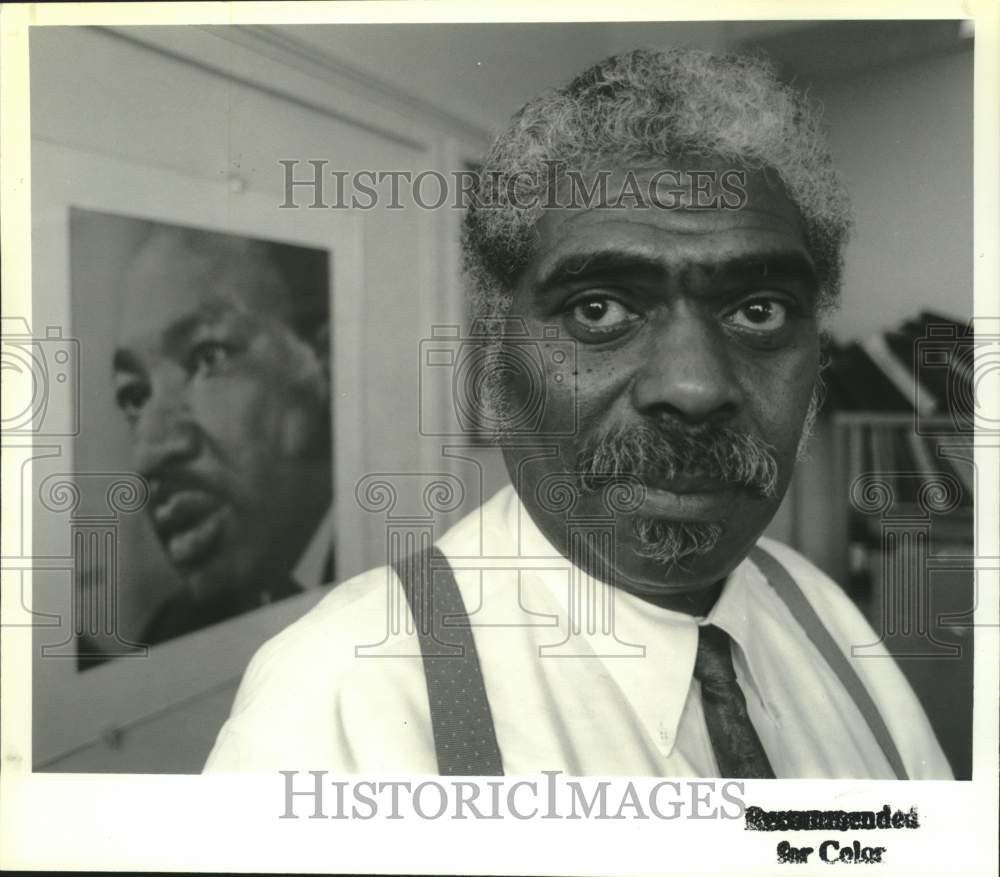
pixel 809 621
pixel 464 737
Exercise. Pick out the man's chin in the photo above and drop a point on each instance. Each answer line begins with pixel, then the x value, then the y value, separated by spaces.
pixel 205 587
pixel 677 558
pixel 218 580
pixel 671 544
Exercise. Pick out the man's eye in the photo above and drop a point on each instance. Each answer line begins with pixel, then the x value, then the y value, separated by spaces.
pixel 130 397
pixel 602 315
pixel 209 357
pixel 760 315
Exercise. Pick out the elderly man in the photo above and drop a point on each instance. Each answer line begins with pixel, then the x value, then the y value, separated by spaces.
pixel 222 373
pixel 616 611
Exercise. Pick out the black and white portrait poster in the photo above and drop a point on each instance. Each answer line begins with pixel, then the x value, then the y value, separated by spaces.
pixel 231 335
pixel 520 439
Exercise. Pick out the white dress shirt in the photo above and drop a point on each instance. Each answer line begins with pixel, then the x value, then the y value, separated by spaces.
pixel 338 691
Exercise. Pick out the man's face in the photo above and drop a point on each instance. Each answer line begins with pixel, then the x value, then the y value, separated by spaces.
pixel 696 358
pixel 228 415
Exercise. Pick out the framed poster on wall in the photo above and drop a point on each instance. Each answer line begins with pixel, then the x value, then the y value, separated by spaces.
pixel 187 509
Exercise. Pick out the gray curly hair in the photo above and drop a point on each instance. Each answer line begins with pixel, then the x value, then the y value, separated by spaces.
pixel 674 104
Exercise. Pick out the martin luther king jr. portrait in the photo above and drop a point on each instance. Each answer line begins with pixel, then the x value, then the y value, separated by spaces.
pixel 219 368
pixel 677 312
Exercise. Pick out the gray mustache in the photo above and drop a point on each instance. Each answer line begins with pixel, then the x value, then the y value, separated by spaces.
pixel 660 454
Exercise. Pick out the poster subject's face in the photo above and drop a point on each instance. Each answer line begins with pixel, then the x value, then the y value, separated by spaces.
pixel 695 330
pixel 227 412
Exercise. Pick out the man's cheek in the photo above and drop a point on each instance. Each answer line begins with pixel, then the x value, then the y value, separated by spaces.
pixel 266 429
pixel 301 434
pixel 559 413
pixel 229 406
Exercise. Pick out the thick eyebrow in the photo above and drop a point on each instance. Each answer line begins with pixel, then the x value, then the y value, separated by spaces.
pixel 786 264
pixel 175 337
pixel 579 266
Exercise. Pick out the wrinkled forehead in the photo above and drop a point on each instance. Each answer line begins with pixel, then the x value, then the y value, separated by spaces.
pixel 177 275
pixel 705 214
pixel 675 188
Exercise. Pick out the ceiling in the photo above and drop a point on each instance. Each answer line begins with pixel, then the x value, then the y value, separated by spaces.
pixel 483 72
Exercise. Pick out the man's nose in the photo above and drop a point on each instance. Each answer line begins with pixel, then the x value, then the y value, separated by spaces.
pixel 166 433
pixel 687 375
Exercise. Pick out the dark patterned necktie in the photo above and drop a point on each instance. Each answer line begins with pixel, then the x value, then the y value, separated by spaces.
pixel 737 747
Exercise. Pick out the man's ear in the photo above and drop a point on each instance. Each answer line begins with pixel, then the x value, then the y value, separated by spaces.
pixel 308 429
pixel 318 340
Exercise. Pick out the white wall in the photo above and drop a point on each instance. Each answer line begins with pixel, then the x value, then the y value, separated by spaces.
pixel 902 136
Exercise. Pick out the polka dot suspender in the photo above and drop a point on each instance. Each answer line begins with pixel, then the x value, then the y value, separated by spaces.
pixel 464 738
